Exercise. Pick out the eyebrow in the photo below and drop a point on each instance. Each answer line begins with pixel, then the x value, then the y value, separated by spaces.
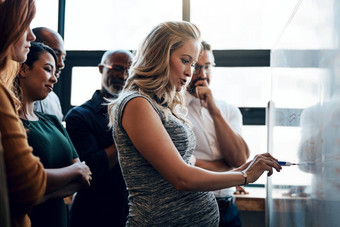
pixel 49 64
pixel 187 55
pixel 57 52
pixel 115 65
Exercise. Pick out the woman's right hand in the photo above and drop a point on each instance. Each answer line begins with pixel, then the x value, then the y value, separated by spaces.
pixel 255 168
pixel 85 173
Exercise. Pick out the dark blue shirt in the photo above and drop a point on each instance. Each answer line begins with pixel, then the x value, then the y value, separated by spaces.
pixel 105 202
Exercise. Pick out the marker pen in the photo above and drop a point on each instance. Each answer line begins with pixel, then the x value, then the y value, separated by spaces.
pixel 282 163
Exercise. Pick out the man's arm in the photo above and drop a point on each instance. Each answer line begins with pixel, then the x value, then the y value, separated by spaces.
pixel 232 146
pixel 100 160
pixel 111 153
pixel 234 149
pixel 216 165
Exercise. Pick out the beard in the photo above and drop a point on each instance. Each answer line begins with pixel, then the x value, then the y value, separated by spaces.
pixel 113 85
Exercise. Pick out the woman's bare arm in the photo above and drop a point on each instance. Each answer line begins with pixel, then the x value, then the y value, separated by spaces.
pixel 149 136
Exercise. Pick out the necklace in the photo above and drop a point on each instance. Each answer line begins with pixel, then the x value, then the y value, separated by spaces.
pixel 27 123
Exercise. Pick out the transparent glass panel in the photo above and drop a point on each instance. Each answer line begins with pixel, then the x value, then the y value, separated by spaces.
pixel 85 81
pixel 304 118
pixel 297 87
pixel 47 14
pixel 256 138
pixel 115 24
pixel 242 87
pixel 246 24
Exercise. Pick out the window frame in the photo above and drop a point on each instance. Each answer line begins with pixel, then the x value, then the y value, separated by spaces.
pixel 223 58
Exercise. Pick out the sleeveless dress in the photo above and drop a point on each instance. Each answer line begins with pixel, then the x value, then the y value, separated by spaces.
pixel 153 201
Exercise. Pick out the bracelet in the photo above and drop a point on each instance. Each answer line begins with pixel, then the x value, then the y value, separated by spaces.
pixel 192 160
pixel 244 174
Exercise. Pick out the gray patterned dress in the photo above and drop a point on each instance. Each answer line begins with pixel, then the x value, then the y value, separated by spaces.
pixel 153 201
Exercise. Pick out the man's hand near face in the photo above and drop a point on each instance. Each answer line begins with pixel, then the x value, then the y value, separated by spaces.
pixel 203 92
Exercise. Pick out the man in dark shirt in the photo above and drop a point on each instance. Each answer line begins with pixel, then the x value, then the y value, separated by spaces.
pixel 105 202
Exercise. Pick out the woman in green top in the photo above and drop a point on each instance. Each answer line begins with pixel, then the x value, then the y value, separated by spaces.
pixel 50 141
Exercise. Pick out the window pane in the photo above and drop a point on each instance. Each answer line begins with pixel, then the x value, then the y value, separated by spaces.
pixel 242 87
pixel 245 24
pixel 227 84
pixel 47 14
pixel 297 87
pixel 85 80
pixel 112 24
pixel 256 138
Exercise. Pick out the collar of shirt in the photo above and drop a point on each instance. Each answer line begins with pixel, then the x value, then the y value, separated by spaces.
pixel 189 98
pixel 97 103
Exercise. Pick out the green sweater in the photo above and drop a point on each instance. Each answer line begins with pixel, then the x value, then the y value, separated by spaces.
pixel 53 146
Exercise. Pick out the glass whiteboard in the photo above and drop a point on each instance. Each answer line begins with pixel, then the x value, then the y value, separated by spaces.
pixel 305 90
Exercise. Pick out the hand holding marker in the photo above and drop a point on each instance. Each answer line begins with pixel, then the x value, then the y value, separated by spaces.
pixel 282 163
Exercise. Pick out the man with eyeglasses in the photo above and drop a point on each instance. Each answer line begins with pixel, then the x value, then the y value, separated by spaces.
pixel 105 202
pixel 217 126
pixel 51 104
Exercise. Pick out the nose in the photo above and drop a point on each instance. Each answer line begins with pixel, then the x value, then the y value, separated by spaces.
pixel 54 78
pixel 61 63
pixel 124 74
pixel 30 36
pixel 202 73
pixel 188 71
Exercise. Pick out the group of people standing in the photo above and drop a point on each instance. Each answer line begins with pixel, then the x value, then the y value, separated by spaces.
pixel 131 153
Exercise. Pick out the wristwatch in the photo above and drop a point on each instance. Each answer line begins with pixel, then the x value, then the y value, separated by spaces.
pixel 244 174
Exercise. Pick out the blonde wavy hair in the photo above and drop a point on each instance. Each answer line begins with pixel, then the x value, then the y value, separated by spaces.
pixel 15 18
pixel 150 71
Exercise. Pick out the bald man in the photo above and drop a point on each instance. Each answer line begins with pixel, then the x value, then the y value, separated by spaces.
pixel 51 104
pixel 105 202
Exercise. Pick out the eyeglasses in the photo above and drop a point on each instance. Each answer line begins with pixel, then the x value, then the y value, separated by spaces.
pixel 206 68
pixel 116 68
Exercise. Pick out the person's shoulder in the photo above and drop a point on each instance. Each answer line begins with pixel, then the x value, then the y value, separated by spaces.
pixel 49 117
pixel 138 101
pixel 135 100
pixel 78 110
pixel 131 94
pixel 4 92
pixel 126 97
pixel 6 99
pixel 224 104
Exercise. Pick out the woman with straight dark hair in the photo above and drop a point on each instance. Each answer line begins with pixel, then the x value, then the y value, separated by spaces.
pixel 49 139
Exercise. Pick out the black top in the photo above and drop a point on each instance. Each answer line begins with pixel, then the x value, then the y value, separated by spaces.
pixel 105 202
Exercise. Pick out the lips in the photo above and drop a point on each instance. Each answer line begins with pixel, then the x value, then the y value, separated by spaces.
pixel 183 81
pixel 50 88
